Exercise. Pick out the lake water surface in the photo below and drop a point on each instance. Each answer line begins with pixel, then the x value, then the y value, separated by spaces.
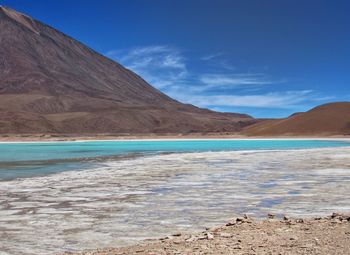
pixel 118 193
pixel 38 159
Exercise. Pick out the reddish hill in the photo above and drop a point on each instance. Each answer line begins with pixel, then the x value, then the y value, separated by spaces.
pixel 328 119
pixel 51 83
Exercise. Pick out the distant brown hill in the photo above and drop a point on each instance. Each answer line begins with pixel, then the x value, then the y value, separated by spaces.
pixel 51 83
pixel 328 119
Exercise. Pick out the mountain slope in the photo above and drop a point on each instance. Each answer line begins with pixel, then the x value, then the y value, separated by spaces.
pixel 328 119
pixel 51 83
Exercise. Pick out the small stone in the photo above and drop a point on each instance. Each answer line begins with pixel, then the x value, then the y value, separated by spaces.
pixel 335 221
pixel 299 221
pixel 239 219
pixel 271 216
pixel 210 236
pixel 228 224
pixel 177 234
pixel 225 235
pixel 191 239
pixel 317 241
pixel 285 218
pixel 215 230
pixel 334 215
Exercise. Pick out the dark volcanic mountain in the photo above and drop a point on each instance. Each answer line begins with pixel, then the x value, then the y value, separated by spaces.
pixel 328 119
pixel 51 83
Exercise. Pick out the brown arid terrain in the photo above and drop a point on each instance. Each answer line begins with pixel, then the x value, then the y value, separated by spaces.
pixel 325 120
pixel 51 83
pixel 326 236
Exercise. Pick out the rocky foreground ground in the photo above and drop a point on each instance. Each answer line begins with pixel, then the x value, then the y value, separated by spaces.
pixel 329 235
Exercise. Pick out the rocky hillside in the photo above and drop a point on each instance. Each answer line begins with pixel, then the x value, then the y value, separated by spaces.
pixel 328 119
pixel 51 83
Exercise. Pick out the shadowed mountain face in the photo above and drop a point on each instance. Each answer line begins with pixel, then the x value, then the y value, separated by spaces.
pixel 51 83
pixel 328 119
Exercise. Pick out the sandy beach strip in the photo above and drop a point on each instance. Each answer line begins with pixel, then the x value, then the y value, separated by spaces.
pixel 156 137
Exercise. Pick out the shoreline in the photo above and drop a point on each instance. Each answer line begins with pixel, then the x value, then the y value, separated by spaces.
pixel 156 137
pixel 245 235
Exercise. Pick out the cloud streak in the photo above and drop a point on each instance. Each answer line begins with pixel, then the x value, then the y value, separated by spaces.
pixel 235 80
pixel 160 65
pixel 167 69
pixel 281 100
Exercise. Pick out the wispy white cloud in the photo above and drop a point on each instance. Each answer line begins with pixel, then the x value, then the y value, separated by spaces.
pixel 211 56
pixel 160 65
pixel 270 100
pixel 287 99
pixel 234 80
pixel 167 69
pixel 218 60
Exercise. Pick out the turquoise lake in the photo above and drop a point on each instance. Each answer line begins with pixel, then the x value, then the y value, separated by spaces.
pixel 37 159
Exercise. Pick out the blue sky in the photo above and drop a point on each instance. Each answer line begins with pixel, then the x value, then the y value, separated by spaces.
pixel 265 58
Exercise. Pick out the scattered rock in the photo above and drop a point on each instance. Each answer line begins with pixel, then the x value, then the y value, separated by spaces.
pixel 215 230
pixel 225 235
pixel 317 241
pixel 335 215
pixel 210 236
pixel 239 219
pixel 202 237
pixel 191 239
pixel 271 216
pixel 335 221
pixel 231 223
pixel 245 216
pixel 264 237
pixel 165 238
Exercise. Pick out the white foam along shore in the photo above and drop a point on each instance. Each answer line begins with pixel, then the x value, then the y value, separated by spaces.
pixel 123 202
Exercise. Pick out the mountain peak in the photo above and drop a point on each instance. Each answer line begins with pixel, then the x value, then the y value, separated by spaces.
pixel 54 84
pixel 20 18
pixel 8 10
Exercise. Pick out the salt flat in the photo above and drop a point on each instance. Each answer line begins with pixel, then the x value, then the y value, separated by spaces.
pixel 122 202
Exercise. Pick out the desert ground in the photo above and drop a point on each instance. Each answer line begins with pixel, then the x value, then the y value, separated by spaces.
pixel 244 235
